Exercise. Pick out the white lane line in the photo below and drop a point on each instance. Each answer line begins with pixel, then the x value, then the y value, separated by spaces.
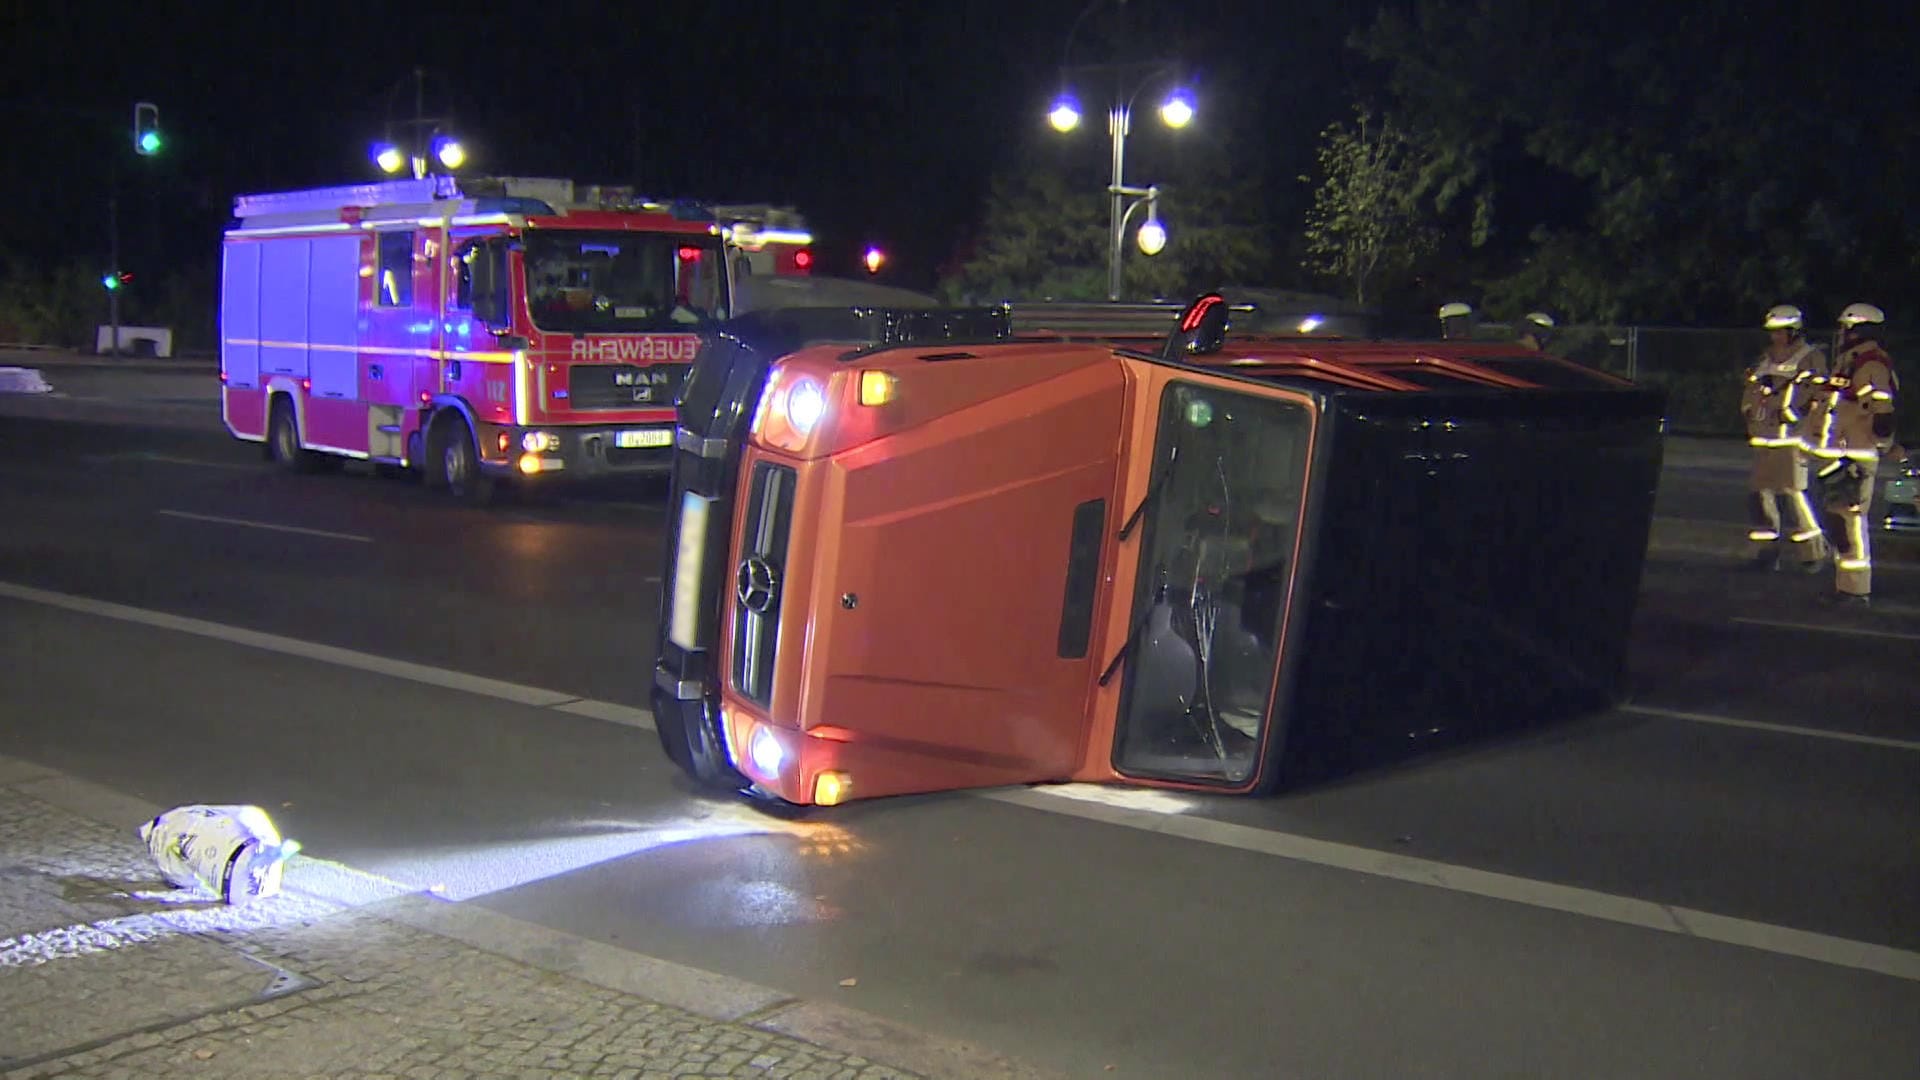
pixel 1816 628
pixel 1591 903
pixel 245 524
pixel 608 711
pixel 172 460
pixel 1785 941
pixel 326 654
pixel 1780 729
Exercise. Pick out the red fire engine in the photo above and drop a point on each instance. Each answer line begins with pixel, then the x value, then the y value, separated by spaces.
pixel 769 240
pixel 473 329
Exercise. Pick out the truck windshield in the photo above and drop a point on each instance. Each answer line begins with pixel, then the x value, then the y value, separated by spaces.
pixel 623 282
pixel 1216 569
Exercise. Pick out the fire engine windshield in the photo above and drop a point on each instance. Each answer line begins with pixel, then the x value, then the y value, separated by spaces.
pixel 1216 569
pixel 623 282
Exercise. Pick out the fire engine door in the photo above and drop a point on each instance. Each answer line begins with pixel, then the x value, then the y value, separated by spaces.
pixel 398 302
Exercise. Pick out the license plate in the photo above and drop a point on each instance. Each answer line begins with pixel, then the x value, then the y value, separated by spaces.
pixel 635 440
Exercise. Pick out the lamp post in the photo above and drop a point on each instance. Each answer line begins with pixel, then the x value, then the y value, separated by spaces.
pixel 431 140
pixel 1176 112
pixel 1129 80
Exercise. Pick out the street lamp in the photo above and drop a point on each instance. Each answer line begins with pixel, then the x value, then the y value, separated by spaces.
pixel 1176 111
pixel 430 141
pixel 1152 236
pixel 1065 115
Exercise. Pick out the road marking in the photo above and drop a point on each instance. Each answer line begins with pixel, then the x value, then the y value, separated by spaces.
pixel 1785 941
pixel 144 455
pixel 329 654
pixel 1854 631
pixel 171 460
pixel 608 711
pixel 1607 907
pixel 1782 729
pixel 266 525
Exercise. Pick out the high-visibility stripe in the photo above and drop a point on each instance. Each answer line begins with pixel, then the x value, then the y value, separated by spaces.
pixel 485 357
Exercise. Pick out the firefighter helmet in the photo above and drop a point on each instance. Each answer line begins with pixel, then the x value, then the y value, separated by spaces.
pixel 1540 319
pixel 1455 310
pixel 1855 314
pixel 1784 317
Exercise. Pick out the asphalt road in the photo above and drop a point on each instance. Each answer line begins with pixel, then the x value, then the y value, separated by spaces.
pixel 1762 793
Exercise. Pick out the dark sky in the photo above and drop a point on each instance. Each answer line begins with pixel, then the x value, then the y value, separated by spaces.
pixel 882 121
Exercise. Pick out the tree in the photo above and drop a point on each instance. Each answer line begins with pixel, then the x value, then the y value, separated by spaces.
pixel 1037 240
pixel 1368 218
pixel 47 303
pixel 1662 162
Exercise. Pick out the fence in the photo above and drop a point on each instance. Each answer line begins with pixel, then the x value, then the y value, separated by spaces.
pixel 1703 369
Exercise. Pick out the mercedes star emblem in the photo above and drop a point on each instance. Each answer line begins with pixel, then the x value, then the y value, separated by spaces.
pixel 756 585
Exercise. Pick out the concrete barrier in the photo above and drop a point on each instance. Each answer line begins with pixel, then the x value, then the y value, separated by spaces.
pixel 160 336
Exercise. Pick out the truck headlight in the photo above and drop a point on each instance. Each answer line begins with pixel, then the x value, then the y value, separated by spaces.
pixel 767 753
pixel 536 442
pixel 805 404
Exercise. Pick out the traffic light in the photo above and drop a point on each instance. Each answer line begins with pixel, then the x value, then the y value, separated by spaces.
pixel 146 129
pixel 114 281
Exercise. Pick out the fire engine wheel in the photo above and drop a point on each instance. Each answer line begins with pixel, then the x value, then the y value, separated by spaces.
pixel 455 461
pixel 283 441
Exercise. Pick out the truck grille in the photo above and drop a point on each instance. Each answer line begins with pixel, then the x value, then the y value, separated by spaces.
pixel 759 580
pixel 624 386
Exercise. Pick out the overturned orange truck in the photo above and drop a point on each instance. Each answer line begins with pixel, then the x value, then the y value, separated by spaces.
pixel 918 550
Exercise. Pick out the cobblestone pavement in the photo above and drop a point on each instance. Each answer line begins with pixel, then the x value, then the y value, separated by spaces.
pixel 105 972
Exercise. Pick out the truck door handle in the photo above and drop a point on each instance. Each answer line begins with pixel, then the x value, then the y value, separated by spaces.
pixel 373 371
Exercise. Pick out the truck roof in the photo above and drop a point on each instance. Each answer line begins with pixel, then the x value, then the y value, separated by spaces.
pixel 528 202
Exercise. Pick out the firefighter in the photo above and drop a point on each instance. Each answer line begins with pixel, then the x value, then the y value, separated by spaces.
pixel 1774 403
pixel 1536 329
pixel 1850 425
pixel 1455 321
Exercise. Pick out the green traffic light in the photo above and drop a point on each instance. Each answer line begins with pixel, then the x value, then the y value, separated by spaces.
pixel 149 142
pixel 110 281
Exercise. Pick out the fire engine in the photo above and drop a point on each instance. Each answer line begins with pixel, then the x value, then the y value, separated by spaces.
pixel 769 240
pixel 472 329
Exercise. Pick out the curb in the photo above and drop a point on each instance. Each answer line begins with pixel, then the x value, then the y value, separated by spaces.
pixel 709 995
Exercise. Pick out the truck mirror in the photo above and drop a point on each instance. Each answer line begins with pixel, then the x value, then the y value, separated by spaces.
pixel 1202 330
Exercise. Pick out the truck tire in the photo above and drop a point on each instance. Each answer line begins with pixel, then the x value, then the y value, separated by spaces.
pixel 283 440
pixel 417 459
pixel 453 461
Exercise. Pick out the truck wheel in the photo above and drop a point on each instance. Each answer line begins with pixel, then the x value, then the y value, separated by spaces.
pixel 418 449
pixel 457 461
pixel 283 439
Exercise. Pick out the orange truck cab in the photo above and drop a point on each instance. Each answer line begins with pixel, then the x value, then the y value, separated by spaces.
pixel 915 550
